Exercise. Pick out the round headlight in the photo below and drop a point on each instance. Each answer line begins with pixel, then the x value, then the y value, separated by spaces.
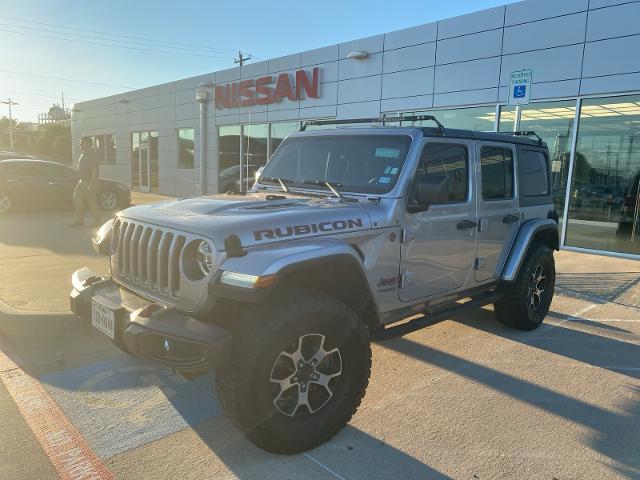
pixel 204 257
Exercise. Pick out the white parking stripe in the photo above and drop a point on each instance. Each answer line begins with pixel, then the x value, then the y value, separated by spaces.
pixel 323 466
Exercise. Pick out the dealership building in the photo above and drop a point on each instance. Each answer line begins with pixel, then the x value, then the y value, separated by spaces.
pixel 209 133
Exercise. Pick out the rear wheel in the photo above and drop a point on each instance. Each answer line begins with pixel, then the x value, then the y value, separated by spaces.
pixel 526 301
pixel 108 200
pixel 297 374
pixel 5 202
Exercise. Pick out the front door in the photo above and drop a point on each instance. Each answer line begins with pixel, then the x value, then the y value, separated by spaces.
pixel 439 244
pixel 498 212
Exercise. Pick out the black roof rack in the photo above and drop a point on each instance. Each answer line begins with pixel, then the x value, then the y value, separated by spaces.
pixel 382 120
pixel 525 133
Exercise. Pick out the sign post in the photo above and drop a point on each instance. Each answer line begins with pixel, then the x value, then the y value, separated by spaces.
pixel 520 87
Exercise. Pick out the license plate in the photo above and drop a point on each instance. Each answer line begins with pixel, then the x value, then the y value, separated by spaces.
pixel 103 318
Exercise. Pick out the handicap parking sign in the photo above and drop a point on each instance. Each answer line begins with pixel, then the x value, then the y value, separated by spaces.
pixel 520 87
pixel 519 91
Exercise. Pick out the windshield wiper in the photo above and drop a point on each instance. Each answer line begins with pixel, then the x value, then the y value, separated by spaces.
pixel 331 186
pixel 281 181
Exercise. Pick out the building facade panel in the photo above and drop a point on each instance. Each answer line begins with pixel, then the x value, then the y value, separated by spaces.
pixel 458 69
pixel 624 17
pixel 606 57
pixel 473 75
pixel 409 83
pixel 553 32
pixel 469 47
pixel 527 11
pixel 475 22
pixel 411 36
pixel 409 58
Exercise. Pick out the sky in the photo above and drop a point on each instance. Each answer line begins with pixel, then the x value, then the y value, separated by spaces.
pixel 90 49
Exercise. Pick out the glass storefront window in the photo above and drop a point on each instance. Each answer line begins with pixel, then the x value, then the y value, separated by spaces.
pixel 474 118
pixel 604 200
pixel 228 158
pixel 186 147
pixel 254 140
pixel 507 122
pixel 110 142
pixel 279 131
pixel 553 122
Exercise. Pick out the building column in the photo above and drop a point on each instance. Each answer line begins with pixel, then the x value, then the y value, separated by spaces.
pixel 201 97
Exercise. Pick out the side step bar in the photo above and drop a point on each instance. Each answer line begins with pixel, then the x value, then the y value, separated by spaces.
pixel 387 333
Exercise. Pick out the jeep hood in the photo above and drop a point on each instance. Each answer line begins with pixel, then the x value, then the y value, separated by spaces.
pixel 256 218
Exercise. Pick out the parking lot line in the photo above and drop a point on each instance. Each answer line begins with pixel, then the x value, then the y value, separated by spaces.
pixel 323 466
pixel 64 446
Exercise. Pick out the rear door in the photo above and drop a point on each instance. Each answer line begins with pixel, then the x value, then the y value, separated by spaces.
pixel 439 244
pixel 498 211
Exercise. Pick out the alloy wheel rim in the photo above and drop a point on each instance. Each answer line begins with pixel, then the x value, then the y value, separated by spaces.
pixel 304 376
pixel 108 201
pixel 5 203
pixel 536 287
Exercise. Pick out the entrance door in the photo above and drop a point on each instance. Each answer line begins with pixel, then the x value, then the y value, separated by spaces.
pixel 439 244
pixel 144 161
pixel 498 212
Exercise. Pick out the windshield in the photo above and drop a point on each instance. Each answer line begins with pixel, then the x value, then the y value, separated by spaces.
pixel 351 163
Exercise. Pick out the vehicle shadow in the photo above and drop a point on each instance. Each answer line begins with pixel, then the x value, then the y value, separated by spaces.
pixel 614 434
pixel 120 404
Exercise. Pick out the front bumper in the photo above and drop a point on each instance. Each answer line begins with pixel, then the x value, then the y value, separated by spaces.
pixel 152 331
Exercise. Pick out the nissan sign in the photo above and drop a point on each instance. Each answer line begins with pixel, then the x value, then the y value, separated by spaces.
pixel 268 89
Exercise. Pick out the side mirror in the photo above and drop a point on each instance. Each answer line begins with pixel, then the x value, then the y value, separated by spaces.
pixel 431 189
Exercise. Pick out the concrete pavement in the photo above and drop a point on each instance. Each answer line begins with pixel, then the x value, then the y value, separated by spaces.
pixel 463 398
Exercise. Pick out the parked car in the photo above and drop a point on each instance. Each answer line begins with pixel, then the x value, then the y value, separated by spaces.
pixel 6 155
pixel 26 184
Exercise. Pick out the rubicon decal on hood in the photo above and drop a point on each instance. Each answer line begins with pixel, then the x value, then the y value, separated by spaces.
pixel 306 229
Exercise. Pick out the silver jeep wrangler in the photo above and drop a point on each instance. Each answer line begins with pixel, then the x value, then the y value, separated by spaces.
pixel 347 232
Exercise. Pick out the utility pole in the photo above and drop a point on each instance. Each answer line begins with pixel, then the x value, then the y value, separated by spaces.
pixel 10 103
pixel 241 61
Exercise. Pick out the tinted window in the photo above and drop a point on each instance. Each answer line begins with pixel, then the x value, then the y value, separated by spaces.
pixel 497 173
pixel 450 161
pixel 534 175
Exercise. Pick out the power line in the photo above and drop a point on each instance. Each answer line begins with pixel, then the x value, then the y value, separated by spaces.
pixel 69 79
pixel 88 42
pixel 40 29
pixel 159 42
pixel 33 94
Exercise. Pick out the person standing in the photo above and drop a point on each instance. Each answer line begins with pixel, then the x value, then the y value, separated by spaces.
pixel 86 188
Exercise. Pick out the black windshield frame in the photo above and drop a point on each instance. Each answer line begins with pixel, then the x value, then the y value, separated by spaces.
pixel 357 160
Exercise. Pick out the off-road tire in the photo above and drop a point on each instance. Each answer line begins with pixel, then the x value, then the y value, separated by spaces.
pixel 513 309
pixel 244 386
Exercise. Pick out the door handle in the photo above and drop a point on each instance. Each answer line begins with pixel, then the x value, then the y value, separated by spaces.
pixel 508 219
pixel 466 225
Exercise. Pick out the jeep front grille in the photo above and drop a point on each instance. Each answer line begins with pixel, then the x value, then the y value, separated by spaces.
pixel 147 256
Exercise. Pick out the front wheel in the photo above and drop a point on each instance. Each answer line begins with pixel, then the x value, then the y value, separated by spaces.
pixel 526 301
pixel 296 375
pixel 108 200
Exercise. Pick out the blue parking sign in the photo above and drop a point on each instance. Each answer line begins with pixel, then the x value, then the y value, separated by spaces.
pixel 519 91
